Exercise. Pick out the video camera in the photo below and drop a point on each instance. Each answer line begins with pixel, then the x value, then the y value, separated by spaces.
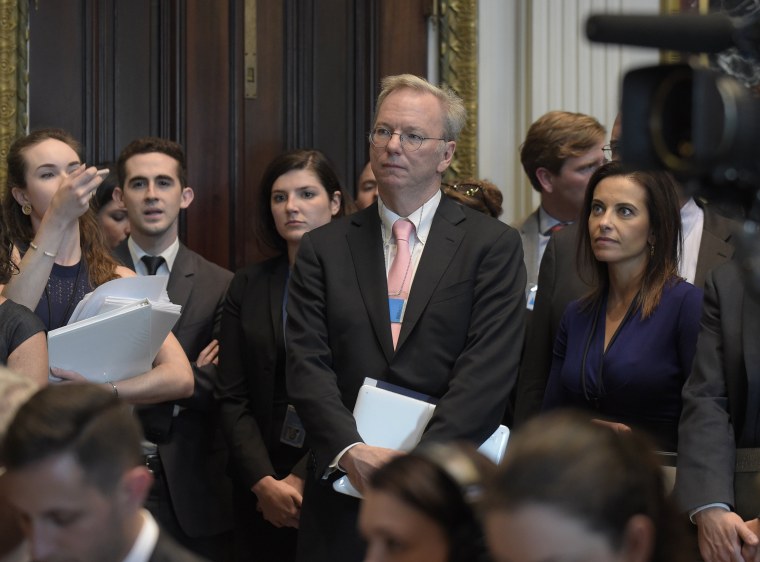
pixel 698 123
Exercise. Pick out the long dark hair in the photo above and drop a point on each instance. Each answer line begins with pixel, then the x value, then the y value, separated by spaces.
pixel 101 266
pixel 664 221
pixel 313 160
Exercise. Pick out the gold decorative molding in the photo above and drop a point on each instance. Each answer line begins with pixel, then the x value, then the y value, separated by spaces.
pixel 14 35
pixel 458 36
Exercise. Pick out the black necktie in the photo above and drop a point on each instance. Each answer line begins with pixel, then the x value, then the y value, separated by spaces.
pixel 152 263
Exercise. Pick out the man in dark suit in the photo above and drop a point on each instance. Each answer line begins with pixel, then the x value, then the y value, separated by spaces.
pixel 192 497
pixel 708 243
pixel 448 292
pixel 75 474
pixel 721 401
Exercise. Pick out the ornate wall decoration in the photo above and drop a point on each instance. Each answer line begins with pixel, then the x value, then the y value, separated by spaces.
pixel 14 35
pixel 458 33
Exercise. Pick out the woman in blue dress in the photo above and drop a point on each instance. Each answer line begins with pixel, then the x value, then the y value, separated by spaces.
pixel 624 351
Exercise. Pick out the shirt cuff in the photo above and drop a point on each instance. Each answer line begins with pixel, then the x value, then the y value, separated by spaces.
pixel 335 464
pixel 693 512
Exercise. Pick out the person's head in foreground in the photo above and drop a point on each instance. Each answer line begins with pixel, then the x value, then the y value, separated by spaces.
pixel 74 471
pixel 570 490
pixel 419 507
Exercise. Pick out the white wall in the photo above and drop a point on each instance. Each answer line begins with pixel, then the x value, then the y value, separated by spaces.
pixel 533 58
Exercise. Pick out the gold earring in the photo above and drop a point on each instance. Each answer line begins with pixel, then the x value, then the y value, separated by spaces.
pixel 651 251
pixel 26 208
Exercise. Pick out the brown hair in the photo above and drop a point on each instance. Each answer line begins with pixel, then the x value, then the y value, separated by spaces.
pixel 442 482
pixel 555 137
pixel 590 473
pixel 101 266
pixel 665 223
pixel 480 195
pixel 82 420
pixel 146 145
pixel 303 159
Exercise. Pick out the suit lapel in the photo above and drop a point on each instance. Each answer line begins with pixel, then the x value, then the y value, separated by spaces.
pixel 714 246
pixel 123 256
pixel 442 243
pixel 366 246
pixel 180 284
pixel 276 293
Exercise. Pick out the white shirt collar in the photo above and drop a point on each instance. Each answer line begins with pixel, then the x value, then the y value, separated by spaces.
pixel 169 255
pixel 421 218
pixel 690 213
pixel 146 541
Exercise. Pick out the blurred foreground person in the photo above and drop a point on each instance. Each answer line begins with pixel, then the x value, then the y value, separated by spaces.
pixel 15 389
pixel 74 471
pixel 572 490
pixel 420 507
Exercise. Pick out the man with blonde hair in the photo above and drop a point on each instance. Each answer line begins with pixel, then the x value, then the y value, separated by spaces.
pixel 415 290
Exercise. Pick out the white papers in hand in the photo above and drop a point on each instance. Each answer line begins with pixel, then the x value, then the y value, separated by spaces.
pixel 394 417
pixel 116 334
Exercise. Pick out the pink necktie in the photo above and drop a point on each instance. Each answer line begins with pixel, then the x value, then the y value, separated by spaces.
pixel 399 276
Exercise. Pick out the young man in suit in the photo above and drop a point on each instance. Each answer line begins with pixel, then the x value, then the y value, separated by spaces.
pixel 415 290
pixel 560 152
pixel 708 242
pixel 192 497
pixel 720 415
pixel 75 473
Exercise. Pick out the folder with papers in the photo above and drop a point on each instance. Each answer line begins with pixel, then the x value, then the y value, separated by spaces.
pixel 394 417
pixel 115 337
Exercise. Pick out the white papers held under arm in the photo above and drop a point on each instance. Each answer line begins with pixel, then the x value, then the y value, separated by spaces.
pixel 121 337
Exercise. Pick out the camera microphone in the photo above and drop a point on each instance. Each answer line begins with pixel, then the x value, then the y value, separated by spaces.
pixel 711 33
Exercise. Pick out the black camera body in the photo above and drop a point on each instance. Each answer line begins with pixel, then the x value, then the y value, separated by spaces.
pixel 698 123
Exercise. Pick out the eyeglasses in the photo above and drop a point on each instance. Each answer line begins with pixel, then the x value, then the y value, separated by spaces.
pixel 468 189
pixel 612 151
pixel 380 137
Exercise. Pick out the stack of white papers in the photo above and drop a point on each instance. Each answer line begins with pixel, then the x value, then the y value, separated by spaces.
pixel 116 331
pixel 394 417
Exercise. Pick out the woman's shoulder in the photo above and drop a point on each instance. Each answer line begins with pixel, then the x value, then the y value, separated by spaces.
pixel 681 289
pixel 13 315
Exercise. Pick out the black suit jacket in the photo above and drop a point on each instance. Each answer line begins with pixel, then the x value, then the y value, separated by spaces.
pixel 251 364
pixel 460 342
pixel 559 283
pixel 715 406
pixel 194 458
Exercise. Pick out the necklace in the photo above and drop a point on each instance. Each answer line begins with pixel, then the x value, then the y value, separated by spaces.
pixel 68 305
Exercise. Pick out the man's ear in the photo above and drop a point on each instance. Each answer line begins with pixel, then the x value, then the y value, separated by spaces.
pixel 638 539
pixel 135 485
pixel 20 195
pixel 118 195
pixel 187 197
pixel 544 177
pixel 446 156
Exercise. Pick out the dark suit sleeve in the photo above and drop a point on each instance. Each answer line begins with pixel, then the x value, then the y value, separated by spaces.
pixel 537 357
pixel 706 445
pixel 312 382
pixel 203 397
pixel 486 370
pixel 247 446
pixel 554 397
